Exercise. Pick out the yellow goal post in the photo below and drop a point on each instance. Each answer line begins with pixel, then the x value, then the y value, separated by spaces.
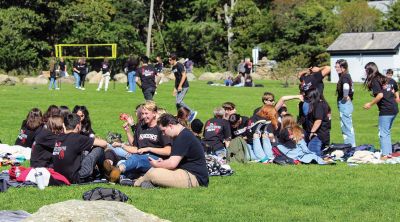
pixel 89 51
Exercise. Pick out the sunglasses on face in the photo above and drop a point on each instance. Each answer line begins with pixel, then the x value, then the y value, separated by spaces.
pixel 228 108
pixel 269 100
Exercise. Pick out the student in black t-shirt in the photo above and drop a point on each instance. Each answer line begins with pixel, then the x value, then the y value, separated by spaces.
pixel 238 125
pixel 63 68
pixel 82 71
pixel 147 75
pixel 86 124
pixel 42 148
pixel 230 108
pixel 105 75
pixel 317 124
pixel 130 69
pixel 261 134
pixel 181 85
pixel 217 134
pixel 75 72
pixel 268 98
pixel 384 97
pixel 148 141
pixel 313 78
pixel 393 84
pixel 68 152
pixel 344 92
pixel 30 127
pixel 185 168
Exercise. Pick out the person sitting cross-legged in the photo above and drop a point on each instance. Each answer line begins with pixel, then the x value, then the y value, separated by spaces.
pixel 69 157
pixel 185 168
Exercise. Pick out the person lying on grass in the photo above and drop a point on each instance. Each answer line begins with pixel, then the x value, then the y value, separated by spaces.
pixel 185 168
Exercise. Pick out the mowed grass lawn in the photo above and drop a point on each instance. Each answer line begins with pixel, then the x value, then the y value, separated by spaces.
pixel 256 192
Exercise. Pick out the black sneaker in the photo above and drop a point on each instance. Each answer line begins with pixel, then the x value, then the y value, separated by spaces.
pixel 127 182
pixel 147 185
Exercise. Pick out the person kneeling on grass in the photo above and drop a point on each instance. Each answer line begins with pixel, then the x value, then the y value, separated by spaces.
pixel 68 154
pixel 185 168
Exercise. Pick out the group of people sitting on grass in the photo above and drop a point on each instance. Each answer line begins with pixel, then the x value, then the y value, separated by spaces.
pixel 169 151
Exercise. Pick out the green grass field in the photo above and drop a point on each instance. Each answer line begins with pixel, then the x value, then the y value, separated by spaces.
pixel 256 192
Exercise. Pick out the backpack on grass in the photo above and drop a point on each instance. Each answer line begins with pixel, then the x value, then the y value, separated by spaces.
pixel 109 194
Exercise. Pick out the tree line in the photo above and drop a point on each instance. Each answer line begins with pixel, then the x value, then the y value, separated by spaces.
pixel 213 33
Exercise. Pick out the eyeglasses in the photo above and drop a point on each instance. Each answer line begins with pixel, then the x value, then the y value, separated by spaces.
pixel 228 108
pixel 269 100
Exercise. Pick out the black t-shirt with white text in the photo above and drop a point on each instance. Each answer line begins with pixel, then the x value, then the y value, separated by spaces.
pixel 216 130
pixel 252 125
pixel 387 105
pixel 26 137
pixel 67 154
pixel 82 68
pixel 193 160
pixel 42 149
pixel 147 75
pixel 393 85
pixel 178 69
pixel 150 137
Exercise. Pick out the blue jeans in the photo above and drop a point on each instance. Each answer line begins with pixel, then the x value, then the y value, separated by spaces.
pixel 53 81
pixel 385 139
pixel 346 122
pixel 179 99
pixel 315 146
pixel 262 150
pixel 119 151
pixel 251 155
pixel 138 163
pixel 77 80
pixel 219 152
pixel 131 81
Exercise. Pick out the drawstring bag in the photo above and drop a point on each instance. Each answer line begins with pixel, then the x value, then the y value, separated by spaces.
pixel 109 194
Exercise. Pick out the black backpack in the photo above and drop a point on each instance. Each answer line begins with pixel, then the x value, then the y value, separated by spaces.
pixel 100 193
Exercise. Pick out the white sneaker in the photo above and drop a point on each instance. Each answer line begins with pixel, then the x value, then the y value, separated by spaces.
pixel 130 91
pixel 98 89
pixel 105 90
pixel 57 88
pixel 83 88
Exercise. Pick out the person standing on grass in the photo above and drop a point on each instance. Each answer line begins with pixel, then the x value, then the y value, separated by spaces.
pixel 83 69
pixel 393 84
pixel 130 67
pixel 185 168
pixel 385 99
pixel 147 75
pixel 344 92
pixel 63 68
pixel 181 85
pixel 53 74
pixel 317 120
pixel 75 72
pixel 105 71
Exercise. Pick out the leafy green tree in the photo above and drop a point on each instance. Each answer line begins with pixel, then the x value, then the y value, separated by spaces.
pixel 392 22
pixel 357 16
pixel 19 46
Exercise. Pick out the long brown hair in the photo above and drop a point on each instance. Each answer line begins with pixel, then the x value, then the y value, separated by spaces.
pixel 289 123
pixel 33 119
pixel 269 112
pixel 55 124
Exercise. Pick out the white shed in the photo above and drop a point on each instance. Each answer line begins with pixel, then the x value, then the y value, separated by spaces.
pixel 358 49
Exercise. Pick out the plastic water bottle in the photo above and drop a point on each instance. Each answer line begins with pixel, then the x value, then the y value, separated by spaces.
pixel 39 180
pixel 17 172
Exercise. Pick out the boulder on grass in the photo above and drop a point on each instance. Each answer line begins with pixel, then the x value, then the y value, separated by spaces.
pixel 95 78
pixel 208 76
pixel 67 80
pixel 190 76
pixel 121 78
pixel 100 210
pixel 35 81
pixel 14 79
